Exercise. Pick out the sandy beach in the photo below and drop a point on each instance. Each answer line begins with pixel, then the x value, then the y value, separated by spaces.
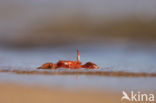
pixel 13 93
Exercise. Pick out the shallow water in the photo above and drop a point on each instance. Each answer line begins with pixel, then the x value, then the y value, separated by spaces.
pixel 109 58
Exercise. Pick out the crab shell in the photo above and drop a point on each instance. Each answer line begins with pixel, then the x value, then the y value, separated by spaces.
pixel 69 64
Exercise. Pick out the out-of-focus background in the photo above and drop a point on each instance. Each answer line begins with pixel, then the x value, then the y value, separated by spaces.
pixel 62 22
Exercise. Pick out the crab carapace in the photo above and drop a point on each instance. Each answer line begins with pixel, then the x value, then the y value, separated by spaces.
pixel 69 64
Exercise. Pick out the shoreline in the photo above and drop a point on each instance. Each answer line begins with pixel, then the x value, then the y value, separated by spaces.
pixel 95 73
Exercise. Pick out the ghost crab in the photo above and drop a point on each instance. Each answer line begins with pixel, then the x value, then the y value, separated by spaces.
pixel 69 64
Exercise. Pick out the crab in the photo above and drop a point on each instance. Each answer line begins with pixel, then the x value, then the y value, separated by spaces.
pixel 69 64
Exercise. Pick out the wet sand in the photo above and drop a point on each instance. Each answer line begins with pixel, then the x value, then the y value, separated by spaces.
pixel 13 93
pixel 98 73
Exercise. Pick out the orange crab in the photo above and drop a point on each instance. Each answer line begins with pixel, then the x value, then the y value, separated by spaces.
pixel 69 64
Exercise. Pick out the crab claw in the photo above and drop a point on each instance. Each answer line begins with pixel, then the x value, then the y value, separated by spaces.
pixel 90 65
pixel 48 66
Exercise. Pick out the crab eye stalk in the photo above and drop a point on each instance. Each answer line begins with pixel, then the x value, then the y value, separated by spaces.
pixel 78 56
